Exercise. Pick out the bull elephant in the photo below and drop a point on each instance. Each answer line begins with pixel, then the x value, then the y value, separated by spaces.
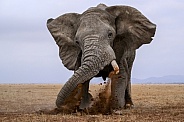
pixel 90 41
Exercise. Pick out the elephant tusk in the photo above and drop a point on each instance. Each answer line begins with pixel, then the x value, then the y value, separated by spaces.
pixel 115 67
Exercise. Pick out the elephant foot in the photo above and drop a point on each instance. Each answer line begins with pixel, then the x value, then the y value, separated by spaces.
pixel 129 104
pixel 119 111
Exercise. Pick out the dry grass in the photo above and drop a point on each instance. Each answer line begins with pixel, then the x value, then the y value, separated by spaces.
pixel 152 103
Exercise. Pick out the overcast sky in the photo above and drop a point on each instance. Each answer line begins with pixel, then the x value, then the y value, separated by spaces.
pixel 28 53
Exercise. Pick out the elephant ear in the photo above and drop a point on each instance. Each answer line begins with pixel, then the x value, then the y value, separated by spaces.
pixel 132 25
pixel 63 30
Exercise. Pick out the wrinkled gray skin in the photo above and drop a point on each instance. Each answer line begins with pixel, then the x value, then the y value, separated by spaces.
pixel 88 42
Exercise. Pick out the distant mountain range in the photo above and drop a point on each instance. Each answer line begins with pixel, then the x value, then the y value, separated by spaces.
pixel 169 79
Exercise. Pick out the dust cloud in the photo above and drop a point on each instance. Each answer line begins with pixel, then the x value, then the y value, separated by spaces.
pixel 100 102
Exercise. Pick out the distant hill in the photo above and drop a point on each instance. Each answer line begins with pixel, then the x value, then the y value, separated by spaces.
pixel 169 79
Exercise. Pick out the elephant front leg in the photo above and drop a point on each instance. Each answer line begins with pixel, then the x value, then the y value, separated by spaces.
pixel 118 87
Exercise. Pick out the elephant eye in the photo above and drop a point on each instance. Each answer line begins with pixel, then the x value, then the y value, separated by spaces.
pixel 77 42
pixel 110 35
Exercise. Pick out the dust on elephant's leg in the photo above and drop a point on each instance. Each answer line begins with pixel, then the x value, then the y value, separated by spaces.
pixel 73 100
pixel 78 99
pixel 70 104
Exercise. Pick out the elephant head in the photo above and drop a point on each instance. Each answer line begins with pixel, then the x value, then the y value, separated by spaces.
pixel 86 40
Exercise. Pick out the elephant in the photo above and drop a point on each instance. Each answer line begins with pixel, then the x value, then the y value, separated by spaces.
pixel 100 41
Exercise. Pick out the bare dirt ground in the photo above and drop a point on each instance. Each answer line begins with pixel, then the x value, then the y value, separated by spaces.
pixel 19 103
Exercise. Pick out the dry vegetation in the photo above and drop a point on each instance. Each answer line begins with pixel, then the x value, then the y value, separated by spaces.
pixel 152 103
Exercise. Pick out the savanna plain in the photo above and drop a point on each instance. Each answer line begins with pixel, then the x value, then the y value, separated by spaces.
pixel 21 103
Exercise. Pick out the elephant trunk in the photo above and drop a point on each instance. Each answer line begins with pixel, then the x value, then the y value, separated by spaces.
pixel 95 58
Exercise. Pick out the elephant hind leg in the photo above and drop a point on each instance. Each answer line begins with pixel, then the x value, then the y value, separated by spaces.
pixel 128 100
pixel 129 63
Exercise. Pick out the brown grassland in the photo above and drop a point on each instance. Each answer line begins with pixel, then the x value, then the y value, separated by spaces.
pixel 19 103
